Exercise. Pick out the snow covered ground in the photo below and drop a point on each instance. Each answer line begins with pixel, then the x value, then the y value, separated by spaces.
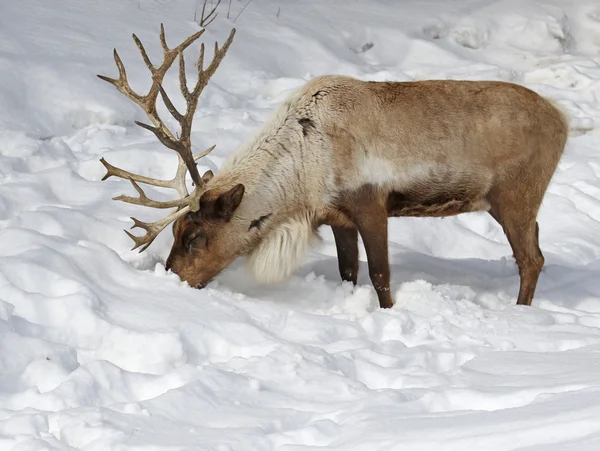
pixel 101 349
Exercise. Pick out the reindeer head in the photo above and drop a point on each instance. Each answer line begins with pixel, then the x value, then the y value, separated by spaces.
pixel 201 249
pixel 205 241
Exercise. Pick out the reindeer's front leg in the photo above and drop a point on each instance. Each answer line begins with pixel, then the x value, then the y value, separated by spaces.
pixel 346 243
pixel 371 221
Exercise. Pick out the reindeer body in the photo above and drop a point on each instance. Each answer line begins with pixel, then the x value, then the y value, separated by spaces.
pixel 340 151
pixel 350 154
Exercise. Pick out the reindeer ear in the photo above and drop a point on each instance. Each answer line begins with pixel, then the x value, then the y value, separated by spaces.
pixel 222 207
pixel 228 202
pixel 208 175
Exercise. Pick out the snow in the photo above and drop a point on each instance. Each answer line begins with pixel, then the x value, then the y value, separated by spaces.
pixel 101 348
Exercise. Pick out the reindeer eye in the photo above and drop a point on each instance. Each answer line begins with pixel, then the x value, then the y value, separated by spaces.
pixel 197 242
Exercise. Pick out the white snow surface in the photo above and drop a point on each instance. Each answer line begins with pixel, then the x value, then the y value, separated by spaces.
pixel 101 349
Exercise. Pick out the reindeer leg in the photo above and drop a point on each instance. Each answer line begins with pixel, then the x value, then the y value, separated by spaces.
pixel 371 223
pixel 524 242
pixel 346 242
pixel 522 230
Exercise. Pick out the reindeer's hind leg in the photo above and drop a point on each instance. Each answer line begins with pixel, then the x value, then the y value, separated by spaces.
pixel 346 243
pixel 516 212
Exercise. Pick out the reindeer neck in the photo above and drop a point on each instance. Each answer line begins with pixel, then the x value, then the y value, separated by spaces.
pixel 273 186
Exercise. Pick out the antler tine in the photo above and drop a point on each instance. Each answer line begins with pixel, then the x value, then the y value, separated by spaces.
pixel 121 83
pixel 177 183
pixel 205 153
pixel 163 39
pixel 152 229
pixel 147 202
pixel 182 80
pixel 117 172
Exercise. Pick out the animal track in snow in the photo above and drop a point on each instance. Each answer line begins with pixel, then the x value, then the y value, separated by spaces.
pixel 468 36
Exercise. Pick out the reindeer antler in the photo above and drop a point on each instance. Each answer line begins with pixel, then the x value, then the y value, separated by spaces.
pixel 181 145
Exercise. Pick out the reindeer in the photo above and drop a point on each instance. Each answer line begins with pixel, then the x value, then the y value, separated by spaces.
pixel 349 154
